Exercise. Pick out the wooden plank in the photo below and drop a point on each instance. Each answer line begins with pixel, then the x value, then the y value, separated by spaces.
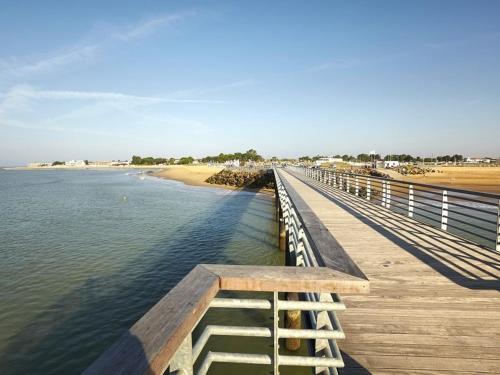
pixel 434 306
pixel 471 352
pixel 149 345
pixel 433 363
pixel 286 279
pixel 327 250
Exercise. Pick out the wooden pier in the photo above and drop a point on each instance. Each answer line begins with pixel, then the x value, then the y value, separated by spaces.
pixel 381 292
pixel 434 302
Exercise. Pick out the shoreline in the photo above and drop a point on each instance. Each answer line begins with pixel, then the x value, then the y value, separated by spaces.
pixel 196 175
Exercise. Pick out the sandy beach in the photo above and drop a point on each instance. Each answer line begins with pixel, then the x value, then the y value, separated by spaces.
pixel 194 175
pixel 485 179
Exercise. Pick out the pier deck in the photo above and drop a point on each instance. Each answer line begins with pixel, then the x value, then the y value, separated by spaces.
pixel 434 305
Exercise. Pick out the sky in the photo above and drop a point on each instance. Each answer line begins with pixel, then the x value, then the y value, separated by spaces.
pixel 104 80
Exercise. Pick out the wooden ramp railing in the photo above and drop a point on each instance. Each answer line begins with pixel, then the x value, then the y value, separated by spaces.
pixel 161 341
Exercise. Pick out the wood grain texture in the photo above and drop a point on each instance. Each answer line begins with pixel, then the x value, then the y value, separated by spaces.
pixel 286 279
pixel 434 302
pixel 326 248
pixel 150 344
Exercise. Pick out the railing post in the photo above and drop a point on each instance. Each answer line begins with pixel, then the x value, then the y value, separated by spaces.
pixel 444 211
pixel 182 361
pixel 334 179
pixel 275 334
pixel 383 193
pixel 341 182
pixel 347 187
pixel 322 323
pixel 410 201
pixel 356 189
pixel 388 195
pixel 368 189
pixel 498 227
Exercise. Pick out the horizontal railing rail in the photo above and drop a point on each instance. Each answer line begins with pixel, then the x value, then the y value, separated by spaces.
pixel 162 341
pixel 472 215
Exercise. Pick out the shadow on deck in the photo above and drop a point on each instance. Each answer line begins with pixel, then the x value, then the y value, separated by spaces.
pixel 462 262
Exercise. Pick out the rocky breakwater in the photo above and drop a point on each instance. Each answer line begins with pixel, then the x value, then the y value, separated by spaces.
pixel 245 179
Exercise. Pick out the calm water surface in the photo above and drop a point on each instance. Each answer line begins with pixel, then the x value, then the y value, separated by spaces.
pixel 85 253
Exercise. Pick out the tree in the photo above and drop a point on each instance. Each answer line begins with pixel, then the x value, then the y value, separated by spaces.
pixel 58 163
pixel 363 158
pixel 186 160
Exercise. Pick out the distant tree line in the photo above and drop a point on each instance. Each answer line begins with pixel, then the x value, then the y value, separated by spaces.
pixel 399 157
pixel 250 155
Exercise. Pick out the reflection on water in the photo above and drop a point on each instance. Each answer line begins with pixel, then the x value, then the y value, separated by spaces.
pixel 85 253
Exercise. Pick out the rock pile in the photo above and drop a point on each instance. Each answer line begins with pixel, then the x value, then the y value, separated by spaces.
pixel 243 179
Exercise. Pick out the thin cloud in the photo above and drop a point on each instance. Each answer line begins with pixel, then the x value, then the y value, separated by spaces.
pixel 335 64
pixel 81 54
pixel 19 97
pixel 216 89
pixel 152 25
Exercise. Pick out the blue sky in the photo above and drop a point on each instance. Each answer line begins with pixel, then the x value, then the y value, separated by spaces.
pixel 106 80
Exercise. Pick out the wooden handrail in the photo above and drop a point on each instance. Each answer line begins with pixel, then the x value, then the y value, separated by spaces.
pixel 148 347
pixel 327 250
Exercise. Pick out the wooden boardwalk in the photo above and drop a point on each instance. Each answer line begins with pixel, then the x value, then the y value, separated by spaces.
pixel 434 305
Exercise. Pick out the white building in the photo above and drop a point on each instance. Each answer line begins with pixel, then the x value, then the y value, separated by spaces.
pixel 391 164
pixel 328 159
pixel 232 163
pixel 76 163
pixel 475 160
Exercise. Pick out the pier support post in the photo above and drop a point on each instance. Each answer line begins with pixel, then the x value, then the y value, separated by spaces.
pixel 293 321
pixel 444 211
pixel 282 233
pixel 410 201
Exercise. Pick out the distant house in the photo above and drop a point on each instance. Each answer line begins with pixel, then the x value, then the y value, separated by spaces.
pixel 477 160
pixel 76 163
pixel 391 164
pixel 327 160
pixel 232 163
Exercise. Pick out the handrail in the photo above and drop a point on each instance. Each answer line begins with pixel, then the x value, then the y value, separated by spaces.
pixel 327 250
pixel 408 199
pixel 149 346
pixel 440 187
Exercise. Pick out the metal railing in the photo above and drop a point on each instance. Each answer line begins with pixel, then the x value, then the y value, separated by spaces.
pixel 471 215
pixel 161 341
